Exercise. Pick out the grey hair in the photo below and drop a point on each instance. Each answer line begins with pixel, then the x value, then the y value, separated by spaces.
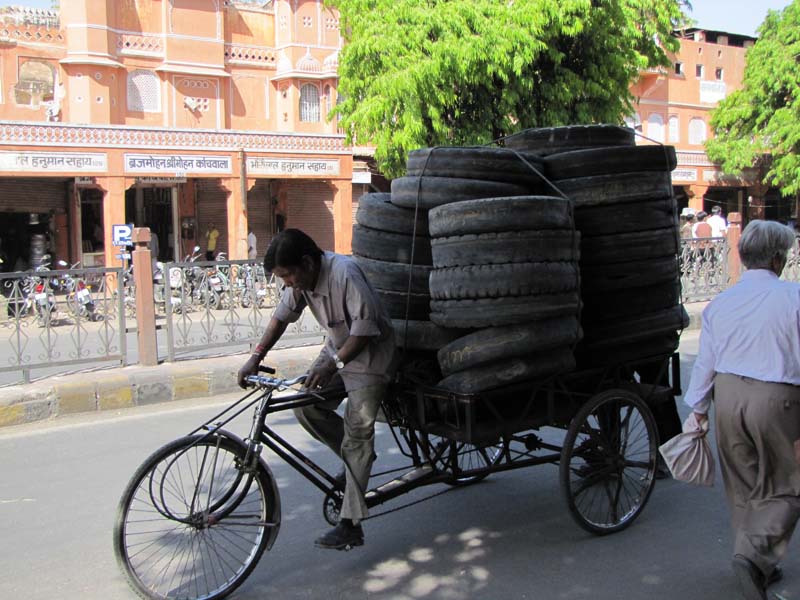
pixel 762 241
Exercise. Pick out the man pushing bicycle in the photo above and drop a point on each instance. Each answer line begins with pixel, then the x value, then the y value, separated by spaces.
pixel 360 348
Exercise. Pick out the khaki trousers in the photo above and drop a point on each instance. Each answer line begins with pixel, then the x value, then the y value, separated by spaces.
pixel 757 425
pixel 352 438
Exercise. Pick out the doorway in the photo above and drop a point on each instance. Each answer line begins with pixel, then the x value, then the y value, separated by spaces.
pixel 154 207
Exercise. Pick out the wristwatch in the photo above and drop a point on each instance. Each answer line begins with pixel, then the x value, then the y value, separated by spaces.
pixel 338 361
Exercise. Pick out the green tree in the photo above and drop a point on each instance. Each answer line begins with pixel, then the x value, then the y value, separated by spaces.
pixel 454 72
pixel 758 126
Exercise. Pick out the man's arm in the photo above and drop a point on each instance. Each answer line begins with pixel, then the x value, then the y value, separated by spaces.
pixel 321 374
pixel 272 334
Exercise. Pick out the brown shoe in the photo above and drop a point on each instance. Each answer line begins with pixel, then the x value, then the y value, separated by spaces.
pixel 751 580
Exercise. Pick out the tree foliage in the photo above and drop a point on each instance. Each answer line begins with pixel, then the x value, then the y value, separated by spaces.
pixel 418 73
pixel 758 126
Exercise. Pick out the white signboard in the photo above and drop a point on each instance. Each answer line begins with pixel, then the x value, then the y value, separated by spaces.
pixel 54 161
pixel 121 234
pixel 154 181
pixel 174 164
pixel 292 166
pixel 684 175
pixel 712 92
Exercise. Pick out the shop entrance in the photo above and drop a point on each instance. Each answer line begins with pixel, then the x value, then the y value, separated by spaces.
pixel 154 207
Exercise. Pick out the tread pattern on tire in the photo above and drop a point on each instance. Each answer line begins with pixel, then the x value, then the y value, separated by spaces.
pixel 491 164
pixel 491 312
pixel 628 275
pixel 601 190
pixel 644 215
pixel 627 247
pixel 607 161
pixel 637 327
pixel 377 212
pixel 486 215
pixel 395 276
pixel 510 341
pixel 512 279
pixel 396 304
pixel 422 335
pixel 390 247
pixel 507 371
pixel 430 192
pixel 544 141
pixel 603 306
pixel 506 247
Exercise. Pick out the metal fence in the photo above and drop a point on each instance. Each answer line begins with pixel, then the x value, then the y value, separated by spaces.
pixel 704 268
pixel 51 319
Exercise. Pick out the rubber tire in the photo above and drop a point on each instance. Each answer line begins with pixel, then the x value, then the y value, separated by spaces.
pixel 423 335
pixel 508 247
pixel 589 356
pixel 619 188
pixel 626 247
pixel 490 164
pixel 490 215
pixel 377 212
pixel 391 247
pixel 508 371
pixel 544 141
pixel 497 281
pixel 607 161
pixel 430 192
pixel 645 215
pixel 636 328
pixel 510 341
pixel 394 276
pixel 628 275
pixel 395 305
pixel 127 495
pixel 493 312
pixel 616 305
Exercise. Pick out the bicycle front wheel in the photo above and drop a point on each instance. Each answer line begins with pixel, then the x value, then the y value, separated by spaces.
pixel 192 523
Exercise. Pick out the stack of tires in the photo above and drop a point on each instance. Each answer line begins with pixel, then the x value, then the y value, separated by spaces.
pixel 626 214
pixel 506 267
pixel 389 225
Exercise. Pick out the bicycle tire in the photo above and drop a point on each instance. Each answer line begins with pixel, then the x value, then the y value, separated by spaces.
pixel 160 494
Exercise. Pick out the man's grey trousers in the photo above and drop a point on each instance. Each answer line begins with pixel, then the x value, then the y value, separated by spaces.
pixel 352 438
pixel 757 424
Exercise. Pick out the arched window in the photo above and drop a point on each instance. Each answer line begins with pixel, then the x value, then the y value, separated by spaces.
pixel 309 103
pixel 634 122
pixel 35 84
pixel 674 129
pixel 697 131
pixel 328 104
pixel 655 127
pixel 144 92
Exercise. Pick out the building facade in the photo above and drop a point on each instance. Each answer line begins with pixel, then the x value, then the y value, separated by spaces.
pixel 169 114
pixel 674 107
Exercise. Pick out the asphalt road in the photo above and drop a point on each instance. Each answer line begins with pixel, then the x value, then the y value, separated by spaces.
pixel 510 536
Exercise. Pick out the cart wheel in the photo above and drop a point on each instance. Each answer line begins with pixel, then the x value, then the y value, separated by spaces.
pixel 332 506
pixel 608 461
pixel 461 458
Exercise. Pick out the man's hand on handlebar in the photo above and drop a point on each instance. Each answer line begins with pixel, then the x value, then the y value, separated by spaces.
pixel 321 373
pixel 249 368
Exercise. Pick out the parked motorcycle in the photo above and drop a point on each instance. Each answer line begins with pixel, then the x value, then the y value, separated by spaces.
pixel 41 297
pixel 78 295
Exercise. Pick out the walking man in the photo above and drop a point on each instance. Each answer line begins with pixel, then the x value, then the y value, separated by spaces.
pixel 717 222
pixel 359 348
pixel 749 362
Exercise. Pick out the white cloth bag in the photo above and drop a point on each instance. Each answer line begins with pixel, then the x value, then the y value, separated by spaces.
pixel 688 455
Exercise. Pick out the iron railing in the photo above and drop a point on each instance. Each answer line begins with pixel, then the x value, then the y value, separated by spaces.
pixel 704 268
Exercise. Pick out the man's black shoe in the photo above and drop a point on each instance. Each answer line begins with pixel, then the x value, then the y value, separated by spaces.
pixel 751 580
pixel 341 478
pixel 342 537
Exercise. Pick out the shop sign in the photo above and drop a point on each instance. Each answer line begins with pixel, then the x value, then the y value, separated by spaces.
pixel 53 161
pixel 83 180
pixel 684 175
pixel 157 181
pixel 173 164
pixel 292 166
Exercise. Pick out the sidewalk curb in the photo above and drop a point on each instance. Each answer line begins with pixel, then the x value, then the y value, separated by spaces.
pixel 138 386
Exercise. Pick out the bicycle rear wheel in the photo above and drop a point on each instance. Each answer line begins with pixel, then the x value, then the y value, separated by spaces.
pixel 191 523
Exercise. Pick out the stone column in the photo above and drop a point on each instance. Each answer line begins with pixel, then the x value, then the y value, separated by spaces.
pixel 113 214
pixel 145 307
pixel 237 219
pixel 342 215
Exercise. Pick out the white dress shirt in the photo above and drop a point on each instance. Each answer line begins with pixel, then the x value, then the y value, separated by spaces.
pixel 751 329
pixel 718 225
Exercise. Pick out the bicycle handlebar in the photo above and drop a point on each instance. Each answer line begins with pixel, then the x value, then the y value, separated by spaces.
pixel 274 382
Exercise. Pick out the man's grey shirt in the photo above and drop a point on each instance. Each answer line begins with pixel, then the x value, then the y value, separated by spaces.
pixel 345 304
